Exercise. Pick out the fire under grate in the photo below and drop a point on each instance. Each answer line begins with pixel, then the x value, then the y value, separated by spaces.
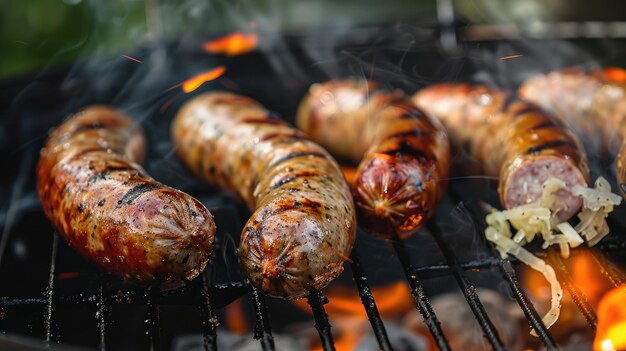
pixel 101 293
pixel 200 293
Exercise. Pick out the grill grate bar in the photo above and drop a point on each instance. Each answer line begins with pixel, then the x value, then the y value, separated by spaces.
pixel 607 269
pixel 421 300
pixel 263 329
pixel 209 322
pixel 316 301
pixel 102 310
pixel 424 272
pixel 185 296
pixel 368 302
pixel 439 270
pixel 577 295
pixel 529 310
pixel 469 291
pixel 154 332
pixel 522 300
pixel 50 288
pixel 22 302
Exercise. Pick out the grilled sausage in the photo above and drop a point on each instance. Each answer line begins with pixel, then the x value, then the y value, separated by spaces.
pixel 303 225
pixel 593 101
pixel 513 140
pixel 107 208
pixel 404 154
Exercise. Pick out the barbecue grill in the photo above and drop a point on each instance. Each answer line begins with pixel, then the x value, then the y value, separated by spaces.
pixel 50 294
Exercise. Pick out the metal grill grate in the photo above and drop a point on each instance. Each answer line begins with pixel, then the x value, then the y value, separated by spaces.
pixel 205 295
pixel 101 299
pixel 200 291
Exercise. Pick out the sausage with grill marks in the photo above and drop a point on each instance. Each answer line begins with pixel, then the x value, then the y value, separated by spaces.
pixel 303 225
pixel 516 141
pixel 404 154
pixel 593 101
pixel 107 208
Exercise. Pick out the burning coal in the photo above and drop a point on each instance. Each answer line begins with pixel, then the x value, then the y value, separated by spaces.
pixel 611 332
pixel 196 81
pixel 233 44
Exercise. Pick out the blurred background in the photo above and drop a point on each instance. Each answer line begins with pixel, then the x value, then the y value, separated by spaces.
pixel 38 34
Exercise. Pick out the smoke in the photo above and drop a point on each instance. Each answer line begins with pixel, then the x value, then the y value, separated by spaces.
pixel 168 44
pixel 509 42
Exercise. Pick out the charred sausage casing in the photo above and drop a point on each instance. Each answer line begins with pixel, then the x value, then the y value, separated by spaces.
pixel 594 102
pixel 303 225
pixel 403 153
pixel 107 208
pixel 517 142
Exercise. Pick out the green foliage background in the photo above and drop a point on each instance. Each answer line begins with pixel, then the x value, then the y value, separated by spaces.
pixel 35 34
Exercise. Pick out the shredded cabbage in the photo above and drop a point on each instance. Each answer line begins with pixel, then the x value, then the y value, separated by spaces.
pixel 598 198
pixel 507 246
pixel 536 218
pixel 573 238
pixel 597 204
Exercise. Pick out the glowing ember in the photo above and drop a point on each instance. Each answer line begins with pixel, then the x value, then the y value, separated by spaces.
pixel 611 331
pixel 392 300
pixel 345 258
pixel 348 315
pixel 68 275
pixel 166 105
pixel 194 82
pixel 585 275
pixel 615 74
pixel 510 57
pixel 235 318
pixel 233 44
pixel 607 345
pixel 132 59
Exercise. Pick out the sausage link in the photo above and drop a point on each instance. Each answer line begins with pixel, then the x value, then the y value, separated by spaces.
pixel 511 139
pixel 593 101
pixel 303 225
pixel 404 154
pixel 107 208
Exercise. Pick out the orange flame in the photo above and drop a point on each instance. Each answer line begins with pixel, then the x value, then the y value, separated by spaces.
pixel 391 300
pixel 233 44
pixel 585 275
pixel 611 331
pixel 615 74
pixel 347 313
pixel 194 82
pixel 235 318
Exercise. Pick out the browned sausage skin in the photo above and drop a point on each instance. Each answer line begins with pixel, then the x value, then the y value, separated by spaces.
pixel 593 101
pixel 106 207
pixel 513 140
pixel 303 225
pixel 404 154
